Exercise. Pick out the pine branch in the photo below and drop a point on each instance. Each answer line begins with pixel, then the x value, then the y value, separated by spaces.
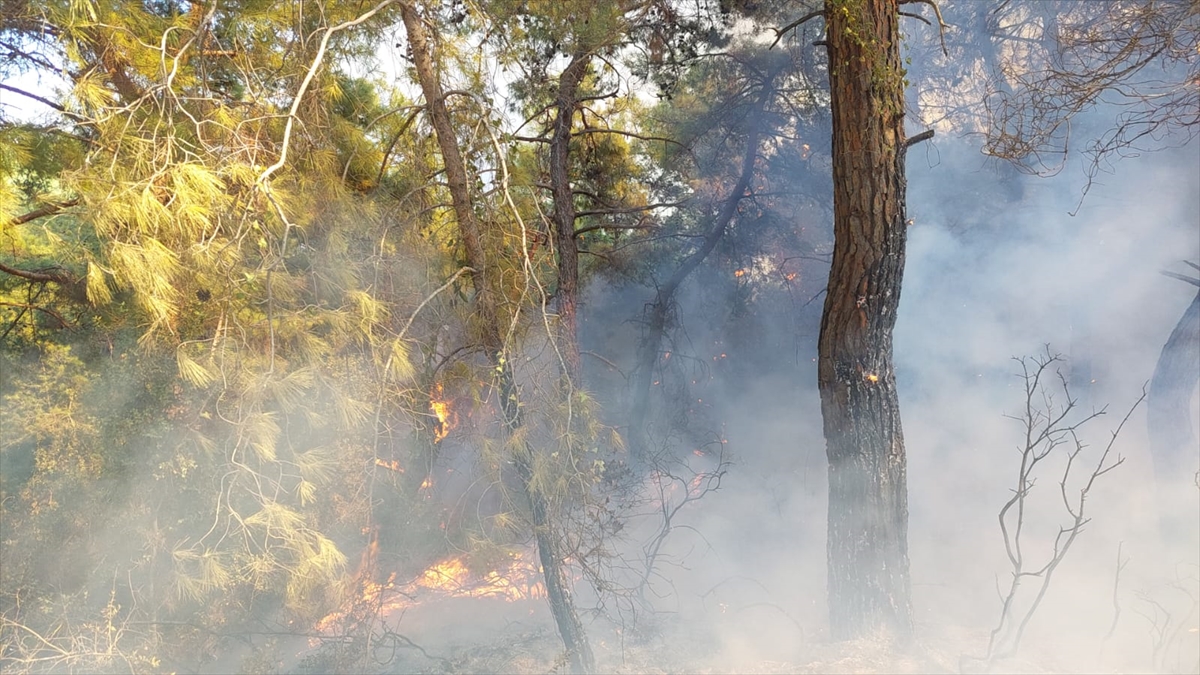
pixel 54 274
pixel 62 323
pixel 35 97
pixel 623 210
pixel 41 212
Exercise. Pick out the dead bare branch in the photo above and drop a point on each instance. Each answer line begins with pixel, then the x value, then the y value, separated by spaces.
pixel 780 32
pixel 942 25
pixel 1047 429
pixel 1173 275
pixel 913 140
pixel 35 97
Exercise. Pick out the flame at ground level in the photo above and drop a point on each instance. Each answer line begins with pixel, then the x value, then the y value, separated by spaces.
pixel 519 580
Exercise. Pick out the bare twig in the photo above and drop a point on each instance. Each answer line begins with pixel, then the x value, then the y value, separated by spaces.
pixel 431 296
pixel 1047 429
pixel 606 362
pixel 62 323
pixel 942 25
pixel 34 97
pixel 1116 598
pixel 1167 624
pixel 625 209
pixel 48 209
pixel 699 486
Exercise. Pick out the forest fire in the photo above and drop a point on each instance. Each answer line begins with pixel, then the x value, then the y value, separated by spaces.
pixel 289 357
pixel 518 580
pixel 393 465
pixel 447 418
pixel 449 578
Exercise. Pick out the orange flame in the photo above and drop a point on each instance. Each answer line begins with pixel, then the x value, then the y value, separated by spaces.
pixel 394 464
pixel 739 273
pixel 447 418
pixel 449 578
pixel 515 582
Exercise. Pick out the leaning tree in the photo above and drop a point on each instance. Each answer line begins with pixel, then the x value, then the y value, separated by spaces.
pixel 1168 417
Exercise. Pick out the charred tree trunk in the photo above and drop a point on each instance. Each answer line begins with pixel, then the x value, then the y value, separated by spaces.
pixel 868 582
pixel 567 295
pixel 1168 417
pixel 562 605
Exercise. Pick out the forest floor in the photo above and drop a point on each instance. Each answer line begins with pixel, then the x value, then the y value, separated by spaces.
pixel 539 651
pixel 680 645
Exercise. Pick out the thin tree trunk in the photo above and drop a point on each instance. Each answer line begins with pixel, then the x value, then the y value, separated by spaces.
pixel 482 276
pixel 567 295
pixel 492 335
pixel 868 575
pixel 558 588
pixel 648 350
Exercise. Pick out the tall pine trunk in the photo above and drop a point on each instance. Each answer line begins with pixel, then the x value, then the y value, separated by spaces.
pixel 868 583
pixel 567 295
pixel 562 606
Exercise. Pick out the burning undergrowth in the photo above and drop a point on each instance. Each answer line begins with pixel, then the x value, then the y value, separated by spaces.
pixel 517 580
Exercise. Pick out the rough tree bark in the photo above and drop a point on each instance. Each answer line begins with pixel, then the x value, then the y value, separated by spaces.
pixel 567 295
pixel 1168 418
pixel 868 575
pixel 558 590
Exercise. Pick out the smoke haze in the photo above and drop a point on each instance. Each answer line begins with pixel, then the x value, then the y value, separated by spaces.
pixel 997 268
pixel 717 561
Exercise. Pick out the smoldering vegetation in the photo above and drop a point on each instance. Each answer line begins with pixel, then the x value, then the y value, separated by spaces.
pixel 395 535
pixel 998 271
